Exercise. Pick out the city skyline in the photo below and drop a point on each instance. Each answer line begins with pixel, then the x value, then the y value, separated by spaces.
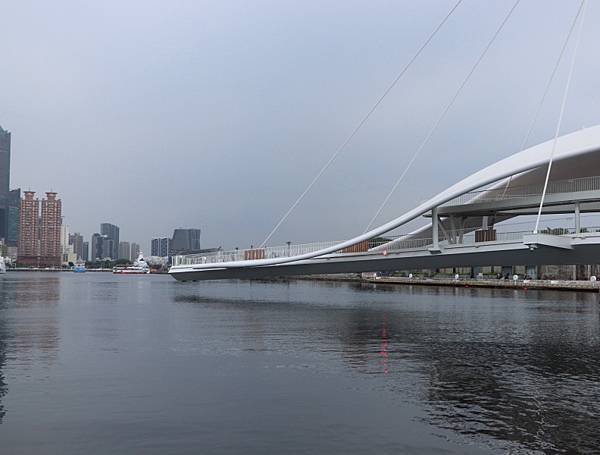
pixel 57 236
pixel 282 226
pixel 287 119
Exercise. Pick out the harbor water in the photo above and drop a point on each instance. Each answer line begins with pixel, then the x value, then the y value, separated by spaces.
pixel 98 363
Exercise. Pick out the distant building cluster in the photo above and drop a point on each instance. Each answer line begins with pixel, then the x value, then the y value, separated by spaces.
pixel 33 232
pixel 106 245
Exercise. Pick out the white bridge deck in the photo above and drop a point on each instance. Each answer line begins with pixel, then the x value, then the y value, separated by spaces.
pixel 465 224
pixel 529 249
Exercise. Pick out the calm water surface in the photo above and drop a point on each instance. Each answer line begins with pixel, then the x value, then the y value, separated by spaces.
pixel 95 363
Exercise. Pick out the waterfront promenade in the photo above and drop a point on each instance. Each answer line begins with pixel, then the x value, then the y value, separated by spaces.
pixel 556 285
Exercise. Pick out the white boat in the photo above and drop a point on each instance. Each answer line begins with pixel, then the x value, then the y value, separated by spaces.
pixel 139 267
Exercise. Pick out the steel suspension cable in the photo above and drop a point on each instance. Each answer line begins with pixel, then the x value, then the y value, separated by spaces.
pixel 560 116
pixel 360 124
pixel 442 115
pixel 547 88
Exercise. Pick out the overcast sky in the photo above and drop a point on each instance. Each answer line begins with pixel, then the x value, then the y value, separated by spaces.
pixel 216 114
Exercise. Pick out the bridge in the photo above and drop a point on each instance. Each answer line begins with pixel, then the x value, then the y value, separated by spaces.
pixel 469 223
pixel 465 224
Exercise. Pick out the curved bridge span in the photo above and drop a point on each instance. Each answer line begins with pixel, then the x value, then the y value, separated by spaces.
pixel 464 227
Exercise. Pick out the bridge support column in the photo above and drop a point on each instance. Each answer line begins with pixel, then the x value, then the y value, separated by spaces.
pixel 435 232
pixel 484 223
pixel 577 218
pixel 434 228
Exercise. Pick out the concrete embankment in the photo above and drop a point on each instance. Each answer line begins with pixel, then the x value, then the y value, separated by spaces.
pixel 564 285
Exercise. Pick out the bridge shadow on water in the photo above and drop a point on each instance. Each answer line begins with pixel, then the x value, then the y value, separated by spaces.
pixel 519 368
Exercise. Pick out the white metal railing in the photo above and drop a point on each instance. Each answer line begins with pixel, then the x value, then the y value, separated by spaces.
pixel 569 230
pixel 237 254
pixel 466 239
pixel 523 191
pixel 469 238
pixel 407 244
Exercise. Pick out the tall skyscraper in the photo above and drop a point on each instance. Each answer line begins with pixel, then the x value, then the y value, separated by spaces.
pixel 40 235
pixel 4 181
pixel 29 245
pixel 14 207
pixel 111 231
pixel 76 239
pixel 135 251
pixel 160 247
pixel 50 223
pixel 66 247
pixel 165 247
pixel 124 250
pixel 108 248
pixel 185 241
pixel 85 255
pixel 96 249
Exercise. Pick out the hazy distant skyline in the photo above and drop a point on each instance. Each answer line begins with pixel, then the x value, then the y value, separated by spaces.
pixel 154 115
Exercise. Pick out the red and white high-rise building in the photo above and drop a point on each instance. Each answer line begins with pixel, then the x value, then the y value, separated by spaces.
pixel 29 245
pixel 39 234
pixel 50 223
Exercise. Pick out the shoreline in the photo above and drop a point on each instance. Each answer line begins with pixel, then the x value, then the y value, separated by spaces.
pixel 524 285
pixel 26 269
pixel 557 285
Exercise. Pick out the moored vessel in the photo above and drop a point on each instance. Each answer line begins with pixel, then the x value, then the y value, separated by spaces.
pixel 139 267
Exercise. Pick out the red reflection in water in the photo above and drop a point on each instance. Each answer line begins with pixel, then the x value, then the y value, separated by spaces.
pixel 383 352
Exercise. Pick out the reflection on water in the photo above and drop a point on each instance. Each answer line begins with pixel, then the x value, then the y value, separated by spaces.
pixel 32 337
pixel 277 366
pixel 541 391
pixel 3 386
pixel 522 368
pixel 529 377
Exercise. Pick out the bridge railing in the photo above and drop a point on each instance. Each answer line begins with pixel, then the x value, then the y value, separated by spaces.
pixel 395 244
pixel 509 236
pixel 462 238
pixel 252 253
pixel 526 191
pixel 569 230
pixel 398 243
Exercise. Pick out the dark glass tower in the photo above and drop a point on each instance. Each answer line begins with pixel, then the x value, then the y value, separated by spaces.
pixel 185 241
pixel 13 215
pixel 111 247
pixel 4 182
